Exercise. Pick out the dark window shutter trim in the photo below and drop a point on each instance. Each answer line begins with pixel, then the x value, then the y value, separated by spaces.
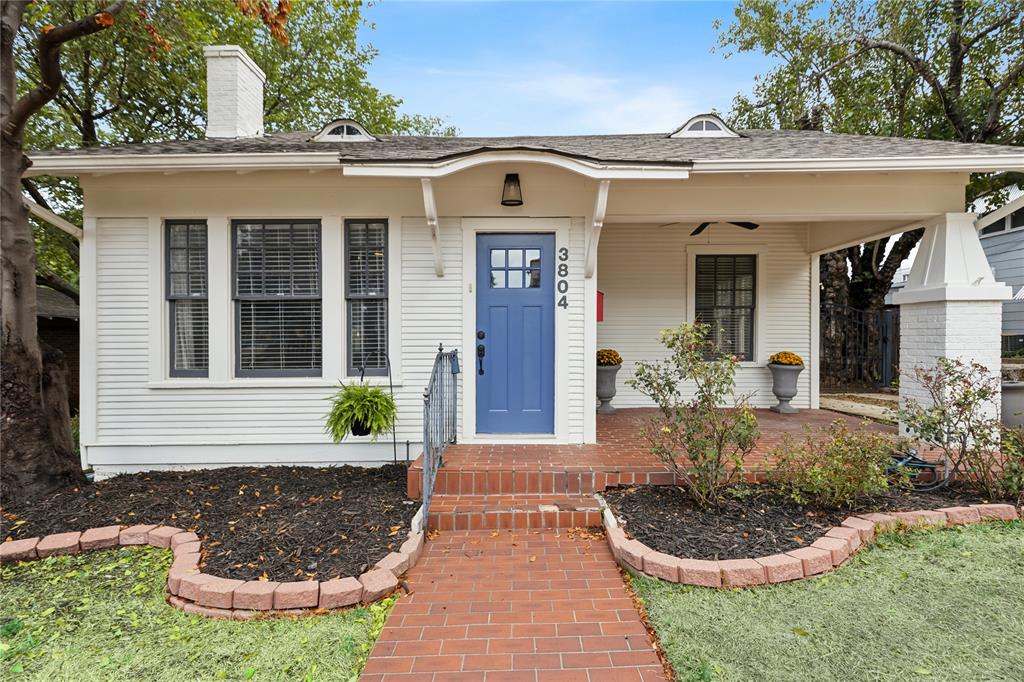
pixel 310 345
pixel 202 353
pixel 374 356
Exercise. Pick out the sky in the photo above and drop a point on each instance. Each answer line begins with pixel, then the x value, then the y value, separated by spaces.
pixel 550 68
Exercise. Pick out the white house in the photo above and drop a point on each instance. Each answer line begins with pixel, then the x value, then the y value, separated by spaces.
pixel 229 283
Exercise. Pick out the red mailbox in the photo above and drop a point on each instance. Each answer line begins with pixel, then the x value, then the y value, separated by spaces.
pixel 600 306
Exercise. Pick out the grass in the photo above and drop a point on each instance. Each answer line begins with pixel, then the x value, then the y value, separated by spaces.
pixel 102 616
pixel 937 605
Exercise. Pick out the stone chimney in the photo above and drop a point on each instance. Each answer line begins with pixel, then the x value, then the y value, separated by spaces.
pixel 234 93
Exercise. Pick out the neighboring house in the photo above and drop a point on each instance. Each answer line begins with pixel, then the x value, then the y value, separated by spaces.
pixel 229 283
pixel 1002 237
pixel 57 321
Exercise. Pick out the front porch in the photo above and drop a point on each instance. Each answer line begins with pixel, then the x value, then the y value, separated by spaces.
pixel 535 485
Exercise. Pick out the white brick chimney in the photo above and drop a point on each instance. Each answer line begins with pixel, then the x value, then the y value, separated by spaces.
pixel 234 93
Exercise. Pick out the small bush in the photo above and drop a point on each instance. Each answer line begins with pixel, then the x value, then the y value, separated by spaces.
pixel 960 418
pixel 1012 474
pixel 700 438
pixel 833 466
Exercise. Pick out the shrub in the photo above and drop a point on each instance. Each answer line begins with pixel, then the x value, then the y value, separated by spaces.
pixel 608 357
pixel 1012 473
pixel 959 418
pixel 833 466
pixel 360 403
pixel 702 441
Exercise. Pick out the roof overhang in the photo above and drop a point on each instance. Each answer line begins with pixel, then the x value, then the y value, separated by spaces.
pixel 587 167
pixel 882 164
pixel 85 164
pixel 1000 213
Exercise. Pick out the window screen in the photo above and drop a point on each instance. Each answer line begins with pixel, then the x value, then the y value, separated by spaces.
pixel 366 295
pixel 725 298
pixel 277 298
pixel 187 295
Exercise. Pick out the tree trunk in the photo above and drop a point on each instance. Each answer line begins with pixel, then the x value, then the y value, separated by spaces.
pixel 33 442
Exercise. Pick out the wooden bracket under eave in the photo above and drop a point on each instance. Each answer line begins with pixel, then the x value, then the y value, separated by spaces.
pixel 600 208
pixel 430 210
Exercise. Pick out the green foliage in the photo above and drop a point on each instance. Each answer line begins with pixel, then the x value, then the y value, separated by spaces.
pixel 144 80
pixel 695 434
pixel 834 69
pixel 364 404
pixel 1012 472
pixel 960 418
pixel 921 601
pixel 833 466
pixel 102 616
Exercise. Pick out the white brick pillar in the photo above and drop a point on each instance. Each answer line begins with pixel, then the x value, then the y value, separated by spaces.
pixel 951 305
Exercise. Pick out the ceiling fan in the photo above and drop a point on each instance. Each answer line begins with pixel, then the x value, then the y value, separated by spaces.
pixel 744 225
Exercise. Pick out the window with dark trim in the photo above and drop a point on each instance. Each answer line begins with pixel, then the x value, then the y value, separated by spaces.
pixel 278 326
pixel 366 295
pixel 187 295
pixel 725 298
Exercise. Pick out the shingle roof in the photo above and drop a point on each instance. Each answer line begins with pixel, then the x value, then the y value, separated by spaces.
pixel 646 148
pixel 52 303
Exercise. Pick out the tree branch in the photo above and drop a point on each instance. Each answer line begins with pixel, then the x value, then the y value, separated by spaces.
pixel 1008 19
pixel 52 78
pixel 995 106
pixel 921 68
pixel 57 283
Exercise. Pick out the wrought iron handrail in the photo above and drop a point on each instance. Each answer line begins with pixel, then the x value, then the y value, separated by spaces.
pixel 440 418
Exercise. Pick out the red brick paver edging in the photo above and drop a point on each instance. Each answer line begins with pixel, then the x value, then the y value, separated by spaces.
pixel 537 605
pixel 824 554
pixel 205 594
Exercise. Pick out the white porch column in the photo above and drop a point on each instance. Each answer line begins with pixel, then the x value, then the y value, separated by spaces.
pixel 952 305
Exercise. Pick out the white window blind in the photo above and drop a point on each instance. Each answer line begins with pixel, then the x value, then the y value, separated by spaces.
pixel 187 295
pixel 277 298
pixel 725 298
pixel 366 295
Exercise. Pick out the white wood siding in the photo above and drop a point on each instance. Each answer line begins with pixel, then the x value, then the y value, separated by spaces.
pixel 642 270
pixel 130 411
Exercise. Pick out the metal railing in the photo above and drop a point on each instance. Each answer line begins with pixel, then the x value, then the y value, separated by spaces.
pixel 440 418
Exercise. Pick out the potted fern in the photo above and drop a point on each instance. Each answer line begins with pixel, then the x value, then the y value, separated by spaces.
pixel 362 410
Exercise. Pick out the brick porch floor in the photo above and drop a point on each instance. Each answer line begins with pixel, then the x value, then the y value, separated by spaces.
pixel 524 605
pixel 621 456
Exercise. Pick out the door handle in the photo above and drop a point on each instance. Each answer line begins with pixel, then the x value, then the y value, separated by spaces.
pixel 480 352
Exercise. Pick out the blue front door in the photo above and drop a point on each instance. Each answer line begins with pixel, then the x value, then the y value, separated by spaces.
pixel 515 333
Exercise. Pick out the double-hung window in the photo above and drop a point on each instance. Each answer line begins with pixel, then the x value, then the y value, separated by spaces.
pixel 187 295
pixel 725 298
pixel 277 298
pixel 366 295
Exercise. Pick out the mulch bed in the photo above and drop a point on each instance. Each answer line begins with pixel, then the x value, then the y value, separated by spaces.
pixel 280 523
pixel 760 523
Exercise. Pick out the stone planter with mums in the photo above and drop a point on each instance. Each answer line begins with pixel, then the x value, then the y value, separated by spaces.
pixel 785 368
pixel 609 362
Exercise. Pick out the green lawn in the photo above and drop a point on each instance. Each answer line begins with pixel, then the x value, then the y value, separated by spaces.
pixel 101 616
pixel 938 605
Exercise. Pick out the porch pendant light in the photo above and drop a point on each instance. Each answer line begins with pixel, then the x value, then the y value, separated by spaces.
pixel 512 194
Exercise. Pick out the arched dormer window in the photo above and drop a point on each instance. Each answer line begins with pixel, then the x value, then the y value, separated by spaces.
pixel 704 125
pixel 343 130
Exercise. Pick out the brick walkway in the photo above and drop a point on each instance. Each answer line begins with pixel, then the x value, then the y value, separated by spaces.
pixel 523 605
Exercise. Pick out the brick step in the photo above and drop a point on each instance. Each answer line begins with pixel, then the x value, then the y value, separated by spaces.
pixel 496 512
pixel 526 481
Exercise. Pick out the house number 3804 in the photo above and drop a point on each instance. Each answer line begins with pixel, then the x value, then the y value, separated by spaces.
pixel 562 281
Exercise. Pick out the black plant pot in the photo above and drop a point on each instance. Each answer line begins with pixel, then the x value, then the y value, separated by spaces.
pixel 360 428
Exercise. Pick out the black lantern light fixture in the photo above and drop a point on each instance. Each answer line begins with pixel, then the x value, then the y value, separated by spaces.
pixel 512 193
